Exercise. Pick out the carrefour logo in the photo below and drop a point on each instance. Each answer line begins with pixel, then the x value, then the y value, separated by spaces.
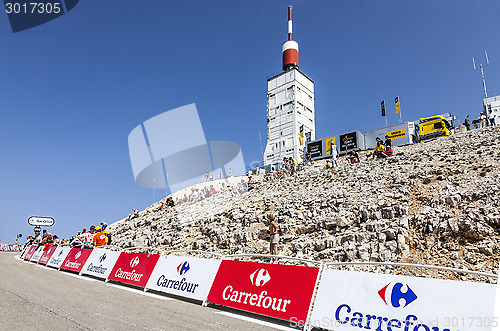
pixel 260 277
pixel 183 268
pixel 134 262
pixel 393 294
pixel 102 258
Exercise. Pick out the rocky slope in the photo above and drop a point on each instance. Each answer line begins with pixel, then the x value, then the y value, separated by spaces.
pixel 437 203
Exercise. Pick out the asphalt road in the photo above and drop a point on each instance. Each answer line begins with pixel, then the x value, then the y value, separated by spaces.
pixel 39 298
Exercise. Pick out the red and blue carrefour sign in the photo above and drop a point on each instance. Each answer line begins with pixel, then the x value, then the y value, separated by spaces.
pixel 392 294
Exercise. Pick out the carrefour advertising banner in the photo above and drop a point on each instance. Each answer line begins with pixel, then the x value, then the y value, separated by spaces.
pixel 348 300
pixel 75 260
pixel 281 291
pixel 47 254
pixel 37 254
pixel 189 277
pixel 134 268
pixel 58 256
pixel 100 263
pixel 30 252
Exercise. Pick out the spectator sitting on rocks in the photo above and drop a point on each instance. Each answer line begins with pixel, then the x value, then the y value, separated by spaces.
pixel 242 186
pixel 378 152
pixel 388 143
pixel 130 217
pixel 280 174
pixel 267 176
pixel 212 191
pixel 353 157
pixel 251 183
pixel 104 225
pixel 170 202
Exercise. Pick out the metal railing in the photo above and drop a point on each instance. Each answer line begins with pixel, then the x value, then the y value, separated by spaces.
pixel 192 251
pixel 411 265
pixel 141 247
pixel 268 256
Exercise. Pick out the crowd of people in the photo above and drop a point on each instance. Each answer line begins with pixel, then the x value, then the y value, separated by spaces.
pixel 486 118
pixel 198 194
pixel 96 236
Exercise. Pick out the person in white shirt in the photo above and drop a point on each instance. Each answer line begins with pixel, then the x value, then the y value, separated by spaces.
pixel 335 153
pixel 483 121
pixel 491 117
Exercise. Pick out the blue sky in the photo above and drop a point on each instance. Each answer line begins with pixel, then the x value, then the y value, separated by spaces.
pixel 73 89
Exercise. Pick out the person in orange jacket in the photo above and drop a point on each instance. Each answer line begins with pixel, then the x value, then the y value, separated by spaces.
pixel 100 239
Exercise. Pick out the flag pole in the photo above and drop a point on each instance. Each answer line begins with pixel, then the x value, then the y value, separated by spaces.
pixel 400 116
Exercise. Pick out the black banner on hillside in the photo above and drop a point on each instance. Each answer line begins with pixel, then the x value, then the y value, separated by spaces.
pixel 348 141
pixel 315 148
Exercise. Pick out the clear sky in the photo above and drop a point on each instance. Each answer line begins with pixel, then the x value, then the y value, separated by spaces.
pixel 71 90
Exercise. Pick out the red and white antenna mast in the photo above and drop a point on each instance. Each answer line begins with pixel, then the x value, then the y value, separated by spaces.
pixel 290 47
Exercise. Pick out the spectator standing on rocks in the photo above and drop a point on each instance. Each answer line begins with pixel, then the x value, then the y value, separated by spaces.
pixel 467 123
pixel 491 117
pixel 482 120
pixel 334 152
pixel 275 237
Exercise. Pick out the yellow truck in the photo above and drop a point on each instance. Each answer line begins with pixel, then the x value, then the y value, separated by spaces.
pixel 433 127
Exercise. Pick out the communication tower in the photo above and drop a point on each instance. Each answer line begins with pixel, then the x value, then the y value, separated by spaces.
pixel 290 107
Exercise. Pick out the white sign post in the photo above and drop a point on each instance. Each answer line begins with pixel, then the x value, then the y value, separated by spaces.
pixel 348 300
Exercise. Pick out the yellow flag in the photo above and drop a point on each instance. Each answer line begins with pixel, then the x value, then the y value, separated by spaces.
pixel 396 100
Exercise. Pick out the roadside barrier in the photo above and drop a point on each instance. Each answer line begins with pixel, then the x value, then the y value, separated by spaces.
pixel 10 248
pixel 305 292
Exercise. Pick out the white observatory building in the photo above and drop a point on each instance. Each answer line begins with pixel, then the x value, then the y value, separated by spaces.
pixel 290 107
